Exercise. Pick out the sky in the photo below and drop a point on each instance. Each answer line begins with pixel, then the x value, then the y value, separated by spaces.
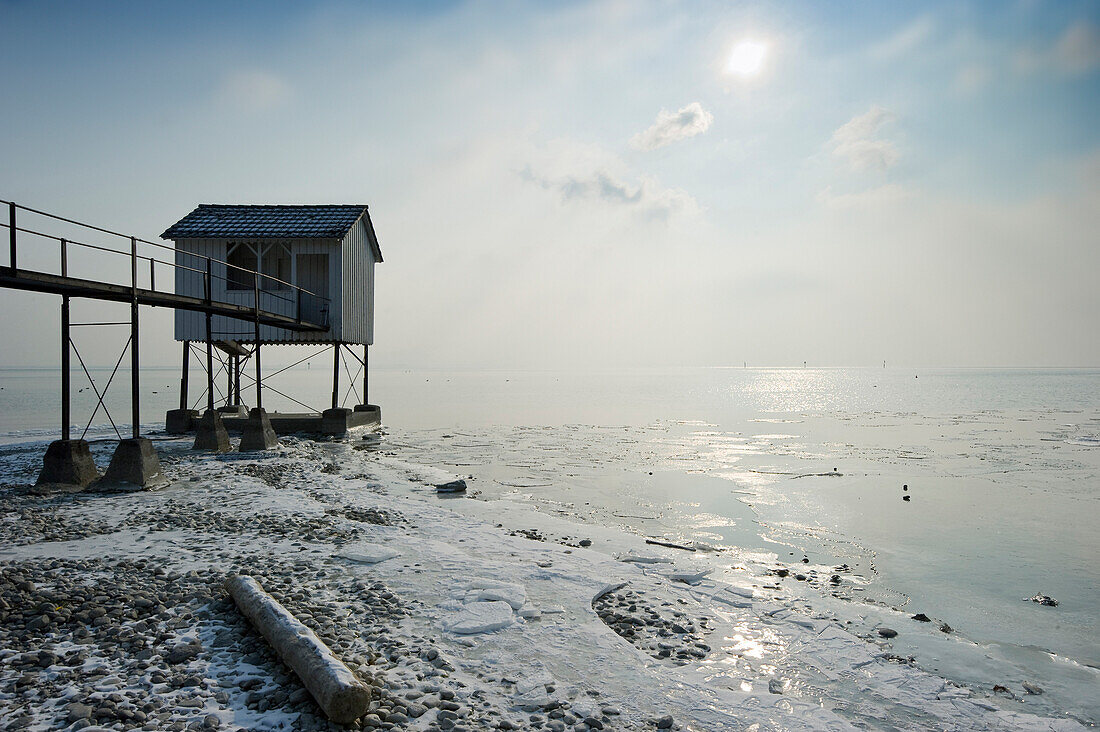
pixel 599 184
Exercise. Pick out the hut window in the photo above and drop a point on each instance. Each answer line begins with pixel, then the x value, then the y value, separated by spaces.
pixel 242 262
pixel 276 262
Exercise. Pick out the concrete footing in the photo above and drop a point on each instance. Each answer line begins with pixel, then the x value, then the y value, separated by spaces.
pixel 68 462
pixel 257 433
pixel 372 412
pixel 334 422
pixel 179 421
pixel 210 433
pixel 134 466
pixel 238 411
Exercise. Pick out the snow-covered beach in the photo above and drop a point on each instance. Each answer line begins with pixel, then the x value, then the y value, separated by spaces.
pixel 465 612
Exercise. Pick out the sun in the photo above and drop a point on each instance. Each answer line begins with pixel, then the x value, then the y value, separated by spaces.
pixel 747 58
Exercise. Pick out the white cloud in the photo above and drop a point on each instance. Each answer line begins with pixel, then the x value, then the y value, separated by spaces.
pixel 254 90
pixel 1077 51
pixel 881 195
pixel 646 195
pixel 688 122
pixel 588 174
pixel 857 141
pixel 905 40
pixel 971 79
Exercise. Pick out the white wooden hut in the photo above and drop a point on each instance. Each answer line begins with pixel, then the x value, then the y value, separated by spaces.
pixel 313 263
pixel 329 251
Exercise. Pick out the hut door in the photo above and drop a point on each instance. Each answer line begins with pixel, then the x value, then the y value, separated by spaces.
pixel 313 276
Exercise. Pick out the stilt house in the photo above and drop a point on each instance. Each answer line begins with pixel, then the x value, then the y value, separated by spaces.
pixel 328 251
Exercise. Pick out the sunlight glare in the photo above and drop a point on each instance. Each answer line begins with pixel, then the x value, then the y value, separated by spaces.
pixel 747 58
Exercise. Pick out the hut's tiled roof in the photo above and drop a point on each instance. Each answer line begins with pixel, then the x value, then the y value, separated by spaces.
pixel 217 221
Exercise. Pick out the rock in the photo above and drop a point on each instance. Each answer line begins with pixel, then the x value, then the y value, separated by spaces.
pixel 887 632
pixel 79 711
pixel 585 542
pixel 593 723
pixel 182 653
pixel 1046 600
pixel 922 618
pixel 775 686
pixel 454 486
pixel 945 628
pixel 665 722
pixel 905 498
pixel 1032 688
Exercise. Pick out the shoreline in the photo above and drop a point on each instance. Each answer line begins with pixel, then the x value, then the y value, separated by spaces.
pixel 554 660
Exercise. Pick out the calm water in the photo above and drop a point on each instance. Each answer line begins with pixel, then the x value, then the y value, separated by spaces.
pixel 1002 468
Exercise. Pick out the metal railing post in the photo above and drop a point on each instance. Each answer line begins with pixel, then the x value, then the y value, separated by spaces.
pixel 64 259
pixel 11 235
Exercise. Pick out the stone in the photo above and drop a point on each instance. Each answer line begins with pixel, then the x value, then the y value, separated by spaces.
pixel 79 711
pixel 210 433
pixel 68 462
pixel 775 686
pixel 454 486
pixel 258 433
pixel 887 632
pixel 182 653
pixel 922 618
pixel 134 466
pixel 665 722
pixel 1032 688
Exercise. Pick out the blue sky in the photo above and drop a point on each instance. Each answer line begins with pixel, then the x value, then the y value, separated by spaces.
pixel 588 183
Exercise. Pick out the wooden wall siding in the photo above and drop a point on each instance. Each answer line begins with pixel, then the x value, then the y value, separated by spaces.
pixel 192 326
pixel 357 287
pixel 355 290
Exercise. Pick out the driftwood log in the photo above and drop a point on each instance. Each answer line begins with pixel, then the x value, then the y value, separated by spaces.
pixel 335 688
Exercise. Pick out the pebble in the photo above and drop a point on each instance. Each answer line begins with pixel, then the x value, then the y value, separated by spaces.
pixel 887 632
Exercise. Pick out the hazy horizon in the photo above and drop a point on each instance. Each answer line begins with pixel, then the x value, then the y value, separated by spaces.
pixel 599 184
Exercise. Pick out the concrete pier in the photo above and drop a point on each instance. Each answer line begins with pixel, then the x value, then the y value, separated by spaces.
pixel 257 433
pixel 179 421
pixel 68 462
pixel 283 423
pixel 210 433
pixel 134 465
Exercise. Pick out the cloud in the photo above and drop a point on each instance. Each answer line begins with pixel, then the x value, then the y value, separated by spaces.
pixel 858 143
pixel 905 40
pixel 1077 51
pixel 646 196
pixel 971 79
pixel 688 122
pixel 254 90
pixel 879 196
